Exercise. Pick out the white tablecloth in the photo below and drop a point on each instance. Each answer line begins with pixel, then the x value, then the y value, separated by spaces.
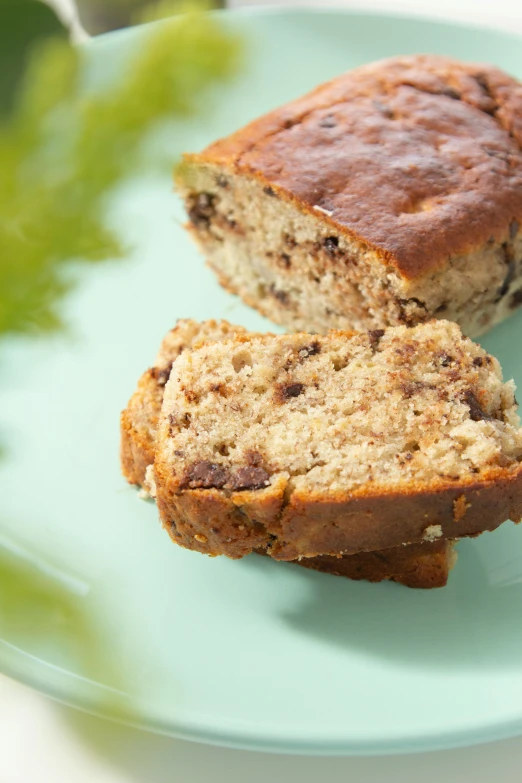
pixel 43 742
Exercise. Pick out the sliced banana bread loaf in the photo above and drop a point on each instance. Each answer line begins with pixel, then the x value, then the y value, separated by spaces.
pixel 390 195
pixel 425 565
pixel 328 445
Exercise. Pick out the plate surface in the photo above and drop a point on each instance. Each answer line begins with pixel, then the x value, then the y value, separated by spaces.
pixel 251 653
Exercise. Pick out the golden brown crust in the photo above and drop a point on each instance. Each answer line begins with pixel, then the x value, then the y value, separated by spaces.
pixel 367 521
pixel 305 526
pixel 137 442
pixel 417 157
pixel 213 523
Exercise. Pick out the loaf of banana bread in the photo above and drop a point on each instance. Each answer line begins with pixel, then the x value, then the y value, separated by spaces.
pixel 312 445
pixel 389 195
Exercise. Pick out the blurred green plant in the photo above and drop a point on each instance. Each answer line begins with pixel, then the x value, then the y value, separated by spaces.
pixel 63 149
pixel 40 604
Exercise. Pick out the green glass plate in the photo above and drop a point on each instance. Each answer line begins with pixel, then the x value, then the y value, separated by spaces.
pixel 251 653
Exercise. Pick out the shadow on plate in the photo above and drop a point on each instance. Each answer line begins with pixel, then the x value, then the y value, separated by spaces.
pixel 474 622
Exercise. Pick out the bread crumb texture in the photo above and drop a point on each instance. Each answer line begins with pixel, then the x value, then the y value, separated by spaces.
pixel 339 412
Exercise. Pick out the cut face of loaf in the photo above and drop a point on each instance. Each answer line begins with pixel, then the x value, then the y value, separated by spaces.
pixel 390 195
pixel 425 565
pixel 327 445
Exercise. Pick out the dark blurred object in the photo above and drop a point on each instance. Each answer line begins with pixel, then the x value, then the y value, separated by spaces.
pixel 100 16
pixel 22 24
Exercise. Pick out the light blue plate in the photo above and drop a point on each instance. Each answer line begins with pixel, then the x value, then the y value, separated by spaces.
pixel 253 653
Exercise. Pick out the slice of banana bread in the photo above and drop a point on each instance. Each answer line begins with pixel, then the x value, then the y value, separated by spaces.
pixel 139 420
pixel 311 445
pixel 392 194
pixel 425 565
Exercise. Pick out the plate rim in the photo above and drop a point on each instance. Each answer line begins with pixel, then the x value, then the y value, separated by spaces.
pixel 196 731
pixel 269 10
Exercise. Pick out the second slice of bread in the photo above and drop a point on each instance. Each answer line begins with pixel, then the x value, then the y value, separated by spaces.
pixel 139 420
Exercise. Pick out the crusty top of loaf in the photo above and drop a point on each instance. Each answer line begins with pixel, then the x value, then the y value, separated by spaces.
pixel 419 157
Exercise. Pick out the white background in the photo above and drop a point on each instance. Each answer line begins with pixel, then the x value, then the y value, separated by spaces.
pixel 43 742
